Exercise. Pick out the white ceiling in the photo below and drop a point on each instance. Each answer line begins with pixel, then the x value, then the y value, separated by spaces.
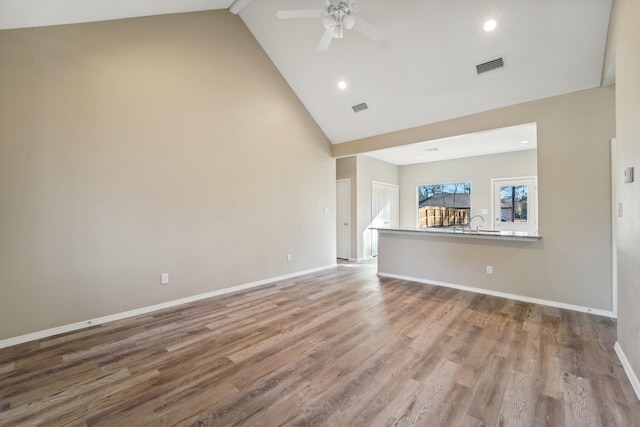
pixel 421 72
pixel 513 138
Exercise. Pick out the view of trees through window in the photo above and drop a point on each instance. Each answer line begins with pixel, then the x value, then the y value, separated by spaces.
pixel 444 205
pixel 513 203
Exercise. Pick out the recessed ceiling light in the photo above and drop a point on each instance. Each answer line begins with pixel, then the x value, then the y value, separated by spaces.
pixel 342 84
pixel 490 25
pixel 524 142
pixel 418 157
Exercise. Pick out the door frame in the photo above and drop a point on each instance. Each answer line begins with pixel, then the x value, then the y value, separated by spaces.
pixel 614 230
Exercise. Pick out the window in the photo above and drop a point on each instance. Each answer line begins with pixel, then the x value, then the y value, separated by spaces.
pixel 444 205
pixel 514 204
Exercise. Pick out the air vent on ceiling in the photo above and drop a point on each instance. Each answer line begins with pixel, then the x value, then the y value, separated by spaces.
pixel 491 65
pixel 360 107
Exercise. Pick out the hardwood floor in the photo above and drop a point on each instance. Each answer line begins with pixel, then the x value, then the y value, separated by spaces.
pixel 337 348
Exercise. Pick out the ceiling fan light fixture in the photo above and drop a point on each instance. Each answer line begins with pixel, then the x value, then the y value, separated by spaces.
pixel 328 21
pixel 348 21
pixel 335 18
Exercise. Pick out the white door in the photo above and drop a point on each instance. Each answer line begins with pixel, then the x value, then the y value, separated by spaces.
pixel 515 204
pixel 384 210
pixel 343 214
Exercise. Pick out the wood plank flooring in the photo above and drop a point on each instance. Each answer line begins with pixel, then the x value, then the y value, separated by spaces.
pixel 342 347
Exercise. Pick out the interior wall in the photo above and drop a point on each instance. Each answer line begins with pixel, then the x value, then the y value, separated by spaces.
pixel 572 263
pixel 477 170
pixel 369 170
pixel 136 147
pixel 624 33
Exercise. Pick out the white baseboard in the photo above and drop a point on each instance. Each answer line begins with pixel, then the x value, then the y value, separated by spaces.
pixel 144 310
pixel 628 369
pixel 573 307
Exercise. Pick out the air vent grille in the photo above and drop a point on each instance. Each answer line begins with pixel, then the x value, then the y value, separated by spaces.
pixel 491 65
pixel 360 107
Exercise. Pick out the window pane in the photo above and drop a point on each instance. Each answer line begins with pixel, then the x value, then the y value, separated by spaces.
pixel 444 205
pixel 513 203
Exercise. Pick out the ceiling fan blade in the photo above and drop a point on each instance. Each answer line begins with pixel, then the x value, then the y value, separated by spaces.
pixel 325 41
pixel 368 30
pixel 293 14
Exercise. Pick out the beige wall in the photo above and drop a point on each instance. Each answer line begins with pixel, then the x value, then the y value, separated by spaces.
pixel 462 261
pixel 572 262
pixel 135 147
pixel 477 170
pixel 624 33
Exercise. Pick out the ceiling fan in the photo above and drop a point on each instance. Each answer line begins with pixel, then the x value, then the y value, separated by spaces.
pixel 336 17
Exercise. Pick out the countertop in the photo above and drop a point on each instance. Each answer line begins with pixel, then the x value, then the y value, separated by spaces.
pixel 469 233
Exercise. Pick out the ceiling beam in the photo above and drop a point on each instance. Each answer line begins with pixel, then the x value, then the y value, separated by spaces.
pixel 237 6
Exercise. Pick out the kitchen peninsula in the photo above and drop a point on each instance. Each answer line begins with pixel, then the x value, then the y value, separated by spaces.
pixel 463 232
pixel 482 261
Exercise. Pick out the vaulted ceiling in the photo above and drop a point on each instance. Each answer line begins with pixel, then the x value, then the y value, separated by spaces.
pixel 422 71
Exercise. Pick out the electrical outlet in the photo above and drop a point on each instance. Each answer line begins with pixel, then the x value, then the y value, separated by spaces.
pixel 164 278
pixel 289 258
pixel 489 269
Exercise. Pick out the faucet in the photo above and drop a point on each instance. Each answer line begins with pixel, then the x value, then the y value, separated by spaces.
pixel 471 221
